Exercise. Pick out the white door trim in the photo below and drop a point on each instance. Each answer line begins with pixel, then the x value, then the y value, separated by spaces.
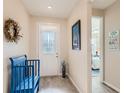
pixel 38 39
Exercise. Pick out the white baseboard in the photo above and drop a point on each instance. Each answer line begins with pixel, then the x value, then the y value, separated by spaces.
pixel 111 86
pixel 45 75
pixel 74 84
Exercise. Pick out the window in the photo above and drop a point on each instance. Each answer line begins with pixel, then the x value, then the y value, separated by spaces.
pixel 48 42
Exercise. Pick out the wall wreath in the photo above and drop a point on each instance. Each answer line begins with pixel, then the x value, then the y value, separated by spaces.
pixel 11 30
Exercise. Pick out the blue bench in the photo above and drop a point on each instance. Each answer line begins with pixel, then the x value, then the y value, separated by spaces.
pixel 25 75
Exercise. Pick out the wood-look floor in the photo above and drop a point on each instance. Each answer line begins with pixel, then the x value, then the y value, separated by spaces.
pixel 56 85
pixel 98 87
pixel 59 85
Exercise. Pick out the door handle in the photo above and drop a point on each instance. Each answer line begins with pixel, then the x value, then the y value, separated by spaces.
pixel 56 54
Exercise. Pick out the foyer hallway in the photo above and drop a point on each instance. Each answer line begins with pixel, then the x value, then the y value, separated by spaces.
pixel 57 84
pixel 33 16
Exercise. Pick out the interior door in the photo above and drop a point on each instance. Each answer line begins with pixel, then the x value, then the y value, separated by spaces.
pixel 49 49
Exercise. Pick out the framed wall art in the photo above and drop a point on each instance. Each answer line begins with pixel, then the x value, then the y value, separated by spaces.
pixel 114 40
pixel 76 36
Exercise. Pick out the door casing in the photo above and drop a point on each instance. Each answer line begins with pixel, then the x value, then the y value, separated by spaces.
pixel 58 48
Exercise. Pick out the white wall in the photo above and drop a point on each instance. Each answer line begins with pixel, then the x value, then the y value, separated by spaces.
pixel 14 9
pixel 80 61
pixel 112 58
pixel 35 20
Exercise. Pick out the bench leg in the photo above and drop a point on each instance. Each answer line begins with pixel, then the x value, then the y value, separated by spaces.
pixel 38 87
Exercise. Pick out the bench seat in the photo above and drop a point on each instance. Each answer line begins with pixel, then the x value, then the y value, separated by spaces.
pixel 25 75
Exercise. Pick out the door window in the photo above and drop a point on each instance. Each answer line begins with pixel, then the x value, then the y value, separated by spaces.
pixel 48 42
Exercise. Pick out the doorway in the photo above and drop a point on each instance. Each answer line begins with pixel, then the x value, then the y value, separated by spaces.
pixel 49 49
pixel 97 54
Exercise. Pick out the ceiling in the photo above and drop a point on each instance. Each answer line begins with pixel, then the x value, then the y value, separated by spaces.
pixel 102 4
pixel 60 8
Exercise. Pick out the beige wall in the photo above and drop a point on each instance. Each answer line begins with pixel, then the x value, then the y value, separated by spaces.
pixel 111 18
pixel 112 58
pixel 35 20
pixel 14 9
pixel 97 12
pixel 79 61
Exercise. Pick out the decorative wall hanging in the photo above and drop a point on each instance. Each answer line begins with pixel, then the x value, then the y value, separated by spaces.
pixel 11 30
pixel 76 36
pixel 114 40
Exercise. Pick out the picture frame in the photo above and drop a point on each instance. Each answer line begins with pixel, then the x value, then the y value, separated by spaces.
pixel 76 36
pixel 114 40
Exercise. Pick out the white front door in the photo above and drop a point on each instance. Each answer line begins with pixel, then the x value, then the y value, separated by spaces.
pixel 49 49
